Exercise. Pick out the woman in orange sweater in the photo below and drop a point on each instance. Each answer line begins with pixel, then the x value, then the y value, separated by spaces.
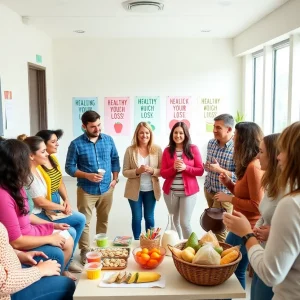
pixel 247 191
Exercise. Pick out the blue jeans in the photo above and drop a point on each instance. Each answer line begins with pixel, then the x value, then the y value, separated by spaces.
pixel 240 272
pixel 76 220
pixel 260 291
pixel 47 288
pixel 54 253
pixel 147 200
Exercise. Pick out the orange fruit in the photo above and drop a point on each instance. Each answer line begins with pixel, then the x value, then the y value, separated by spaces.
pixel 154 250
pixel 138 253
pixel 145 250
pixel 145 256
pixel 141 260
pixel 152 263
pixel 155 255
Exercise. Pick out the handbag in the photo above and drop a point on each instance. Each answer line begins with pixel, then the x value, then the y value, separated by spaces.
pixel 212 219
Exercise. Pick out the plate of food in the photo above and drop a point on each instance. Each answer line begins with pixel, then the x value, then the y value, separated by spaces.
pixel 126 279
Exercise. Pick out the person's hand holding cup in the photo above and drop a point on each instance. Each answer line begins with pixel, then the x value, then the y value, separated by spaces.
pixel 101 172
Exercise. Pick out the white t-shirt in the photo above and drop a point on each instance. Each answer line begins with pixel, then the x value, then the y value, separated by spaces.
pixel 38 188
pixel 146 182
pixel 278 265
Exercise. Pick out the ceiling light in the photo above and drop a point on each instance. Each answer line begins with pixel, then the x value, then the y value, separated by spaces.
pixel 143 6
pixel 79 31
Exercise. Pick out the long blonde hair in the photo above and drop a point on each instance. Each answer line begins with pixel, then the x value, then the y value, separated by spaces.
pixel 289 143
pixel 135 140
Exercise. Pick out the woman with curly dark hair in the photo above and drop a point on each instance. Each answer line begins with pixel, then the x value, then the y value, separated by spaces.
pixel 181 163
pixel 27 231
pixel 247 191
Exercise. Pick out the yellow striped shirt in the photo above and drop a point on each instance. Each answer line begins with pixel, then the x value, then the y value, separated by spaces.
pixel 55 177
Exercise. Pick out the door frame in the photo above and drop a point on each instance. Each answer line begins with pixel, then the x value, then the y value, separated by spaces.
pixel 42 94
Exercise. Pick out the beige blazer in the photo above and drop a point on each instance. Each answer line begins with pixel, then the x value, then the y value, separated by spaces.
pixel 130 164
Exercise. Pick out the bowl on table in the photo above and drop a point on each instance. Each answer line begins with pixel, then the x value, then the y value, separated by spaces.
pixel 149 259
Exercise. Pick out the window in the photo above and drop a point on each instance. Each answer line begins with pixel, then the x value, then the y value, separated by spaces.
pixel 280 87
pixel 258 87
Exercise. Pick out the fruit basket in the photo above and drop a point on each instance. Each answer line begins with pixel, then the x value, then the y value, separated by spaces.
pixel 209 275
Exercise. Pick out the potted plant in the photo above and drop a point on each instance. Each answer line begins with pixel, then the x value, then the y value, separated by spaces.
pixel 239 117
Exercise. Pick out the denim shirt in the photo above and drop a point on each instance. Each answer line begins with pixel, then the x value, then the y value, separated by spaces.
pixel 86 156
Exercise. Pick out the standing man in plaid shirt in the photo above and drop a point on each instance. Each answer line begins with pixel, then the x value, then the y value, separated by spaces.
pixel 220 159
pixel 89 152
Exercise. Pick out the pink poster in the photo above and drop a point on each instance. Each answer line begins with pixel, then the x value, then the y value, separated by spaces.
pixel 117 115
pixel 179 109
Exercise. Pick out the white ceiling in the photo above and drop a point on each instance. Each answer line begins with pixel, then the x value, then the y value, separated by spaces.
pixel 108 19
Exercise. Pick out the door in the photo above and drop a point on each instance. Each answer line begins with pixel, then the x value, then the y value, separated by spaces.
pixel 37 98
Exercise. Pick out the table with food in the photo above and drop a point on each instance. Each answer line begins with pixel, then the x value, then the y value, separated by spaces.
pixel 193 269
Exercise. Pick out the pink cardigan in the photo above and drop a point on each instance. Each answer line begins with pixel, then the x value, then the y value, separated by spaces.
pixel 194 168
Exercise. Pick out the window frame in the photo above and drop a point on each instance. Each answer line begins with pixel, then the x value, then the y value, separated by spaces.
pixel 276 47
pixel 255 55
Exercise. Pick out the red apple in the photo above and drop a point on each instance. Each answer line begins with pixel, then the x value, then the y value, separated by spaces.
pixel 172 123
pixel 118 127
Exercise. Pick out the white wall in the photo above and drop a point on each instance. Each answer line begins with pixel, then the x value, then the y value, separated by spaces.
pixel 150 67
pixel 19 45
pixel 271 29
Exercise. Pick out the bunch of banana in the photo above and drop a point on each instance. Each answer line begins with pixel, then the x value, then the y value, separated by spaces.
pixel 134 277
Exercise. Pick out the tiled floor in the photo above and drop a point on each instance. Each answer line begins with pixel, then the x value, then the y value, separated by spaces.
pixel 121 207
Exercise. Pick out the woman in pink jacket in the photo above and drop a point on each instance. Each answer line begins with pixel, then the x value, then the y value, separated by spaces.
pixel 181 163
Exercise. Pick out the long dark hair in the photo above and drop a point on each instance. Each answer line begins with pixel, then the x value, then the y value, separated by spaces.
pixel 15 170
pixel 270 178
pixel 46 136
pixel 33 142
pixel 248 136
pixel 186 143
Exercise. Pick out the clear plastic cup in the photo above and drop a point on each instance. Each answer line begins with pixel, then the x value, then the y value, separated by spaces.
pixel 101 171
pixel 101 240
pixel 93 270
pixel 93 257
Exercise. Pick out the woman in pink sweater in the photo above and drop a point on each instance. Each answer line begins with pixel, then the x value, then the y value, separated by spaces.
pixel 181 163
pixel 27 231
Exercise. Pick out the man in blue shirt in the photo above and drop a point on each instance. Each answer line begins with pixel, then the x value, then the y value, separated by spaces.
pixel 87 154
pixel 219 159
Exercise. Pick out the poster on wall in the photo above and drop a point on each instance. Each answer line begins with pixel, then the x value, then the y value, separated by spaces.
pixel 147 109
pixel 79 106
pixel 10 110
pixel 179 109
pixel 1 113
pixel 210 107
pixel 117 115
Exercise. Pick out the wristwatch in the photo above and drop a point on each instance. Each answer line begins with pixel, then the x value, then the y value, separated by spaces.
pixel 246 237
pixel 117 180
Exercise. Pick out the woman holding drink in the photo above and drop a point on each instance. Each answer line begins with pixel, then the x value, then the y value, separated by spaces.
pixel 141 167
pixel 181 163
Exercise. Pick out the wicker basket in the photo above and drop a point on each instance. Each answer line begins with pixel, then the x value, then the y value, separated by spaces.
pixel 149 244
pixel 205 274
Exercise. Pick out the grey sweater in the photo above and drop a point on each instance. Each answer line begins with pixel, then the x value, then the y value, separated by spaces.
pixel 278 265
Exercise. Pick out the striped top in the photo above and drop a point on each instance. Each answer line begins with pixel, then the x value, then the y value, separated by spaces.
pixel 177 186
pixel 55 177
